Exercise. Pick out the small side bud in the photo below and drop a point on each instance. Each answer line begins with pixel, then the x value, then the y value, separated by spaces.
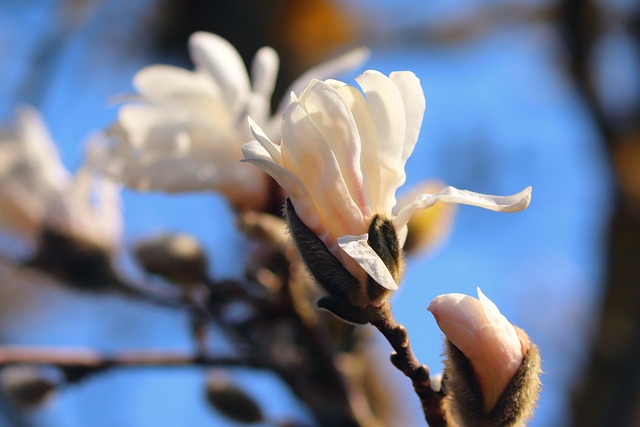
pixel 231 401
pixel 178 258
pixel 28 386
pixel 492 369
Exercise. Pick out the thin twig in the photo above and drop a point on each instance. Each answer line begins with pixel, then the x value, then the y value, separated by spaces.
pixel 406 362
pixel 92 359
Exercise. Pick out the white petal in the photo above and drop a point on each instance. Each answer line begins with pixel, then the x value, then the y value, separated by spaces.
pixel 264 71
pixel 331 68
pixel 512 203
pixel 157 82
pixel 414 104
pixel 332 118
pixel 369 148
pixel 257 155
pixel 263 139
pixel 387 108
pixel 358 248
pixel 306 153
pixel 216 56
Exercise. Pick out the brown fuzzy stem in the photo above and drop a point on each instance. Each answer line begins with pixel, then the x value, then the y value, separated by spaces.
pixel 406 362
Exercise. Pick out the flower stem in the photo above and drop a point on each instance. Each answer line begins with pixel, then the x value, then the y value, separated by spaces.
pixel 407 363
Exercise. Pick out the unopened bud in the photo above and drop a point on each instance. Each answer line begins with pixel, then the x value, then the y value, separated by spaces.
pixel 178 258
pixel 232 401
pixel 28 385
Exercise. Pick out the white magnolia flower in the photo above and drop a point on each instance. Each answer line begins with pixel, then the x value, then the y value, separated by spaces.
pixel 342 158
pixel 37 192
pixel 186 130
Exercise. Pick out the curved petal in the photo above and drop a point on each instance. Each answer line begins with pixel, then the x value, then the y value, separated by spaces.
pixel 358 248
pixel 368 147
pixel 263 139
pixel 216 56
pixel 264 71
pixel 414 104
pixel 333 119
pixel 513 203
pixel 332 68
pixel 157 82
pixel 308 156
pixel 387 108
pixel 257 155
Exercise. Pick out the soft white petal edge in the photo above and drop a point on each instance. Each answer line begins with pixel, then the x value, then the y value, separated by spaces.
pixel 357 247
pixel 494 317
pixel 513 203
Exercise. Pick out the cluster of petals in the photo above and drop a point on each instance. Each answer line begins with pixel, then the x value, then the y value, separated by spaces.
pixel 184 129
pixel 486 338
pixel 341 159
pixel 37 192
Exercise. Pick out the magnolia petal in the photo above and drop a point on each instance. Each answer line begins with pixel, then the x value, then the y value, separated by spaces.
pixel 358 248
pixel 332 118
pixel 308 156
pixel 264 71
pixel 367 131
pixel 513 203
pixel 223 63
pixel 509 343
pixel 263 139
pixel 255 153
pixel 333 67
pixel 387 108
pixel 414 104
pixel 157 82
pixel 39 148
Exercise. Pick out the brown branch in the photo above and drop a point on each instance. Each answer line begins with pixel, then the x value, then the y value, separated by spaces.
pixel 96 360
pixel 405 361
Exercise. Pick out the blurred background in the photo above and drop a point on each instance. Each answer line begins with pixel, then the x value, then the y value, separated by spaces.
pixel 519 92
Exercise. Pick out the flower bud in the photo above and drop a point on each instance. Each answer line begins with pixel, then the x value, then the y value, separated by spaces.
pixel 179 258
pixel 232 402
pixel 29 385
pixel 492 369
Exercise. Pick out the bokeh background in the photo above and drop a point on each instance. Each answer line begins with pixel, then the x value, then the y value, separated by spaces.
pixel 519 92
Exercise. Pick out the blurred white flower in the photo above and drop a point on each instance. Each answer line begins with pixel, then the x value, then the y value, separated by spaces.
pixel 185 130
pixel 487 339
pixel 342 158
pixel 37 192
pixel 31 174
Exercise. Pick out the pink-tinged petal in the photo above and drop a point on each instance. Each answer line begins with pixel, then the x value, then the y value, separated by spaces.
pixel 308 156
pixel 369 148
pixel 387 108
pixel 513 203
pixel 484 336
pixel 414 104
pixel 358 248
pixel 216 56
pixel 333 120
pixel 257 155
pixel 158 82
pixel 332 68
